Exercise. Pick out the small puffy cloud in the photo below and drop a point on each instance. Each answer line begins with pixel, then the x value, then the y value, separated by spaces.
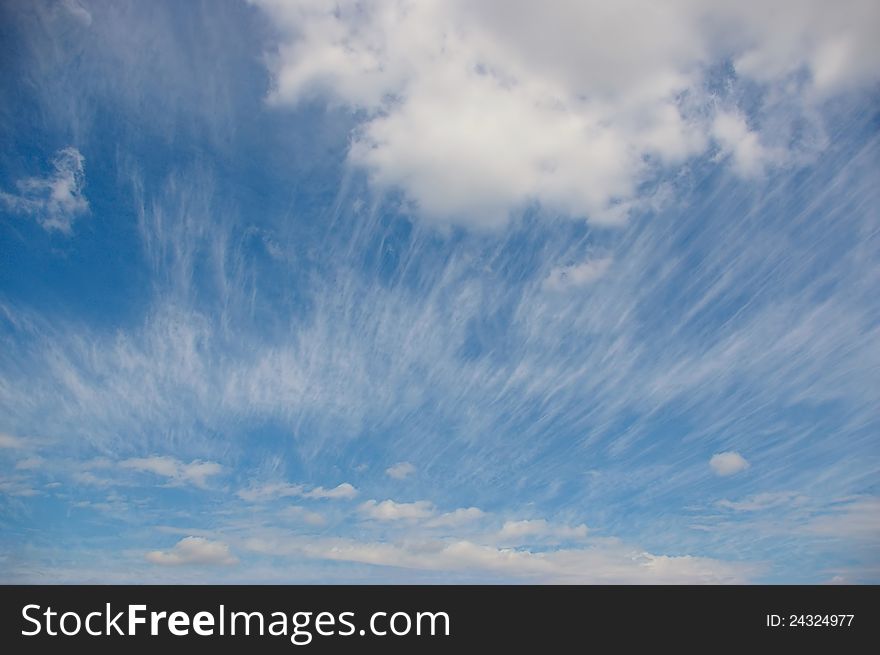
pixel 388 510
pixel 194 551
pixel 728 463
pixel 195 473
pixel 400 471
pixel 516 532
pixel 275 490
pixel 56 200
pixel 576 275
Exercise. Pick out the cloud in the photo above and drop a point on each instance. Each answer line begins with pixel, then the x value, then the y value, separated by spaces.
pixel 526 531
pixel 56 200
pixel 274 490
pixel 744 147
pixel 856 519
pixel 195 473
pixel 17 487
pixel 400 471
pixel 344 491
pixel 762 501
pixel 475 110
pixel 576 275
pixel 193 550
pixel 728 463
pixel 270 491
pixel 77 11
pixel 30 463
pixel 11 442
pixel 297 513
pixel 389 510
pixel 608 564
pixel 456 518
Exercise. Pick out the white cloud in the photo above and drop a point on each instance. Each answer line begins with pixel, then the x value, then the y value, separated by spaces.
pixel 762 501
pixel 388 510
pixel 576 275
pixel 857 519
pixel 11 442
pixel 270 491
pixel 601 563
pixel 77 11
pixel 344 491
pixel 456 517
pixel 56 200
pixel 17 487
pixel 749 157
pixel 400 471
pixel 193 550
pixel 728 463
pixel 274 490
pixel 195 473
pixel 527 531
pixel 30 463
pixel 475 109
pixel 302 514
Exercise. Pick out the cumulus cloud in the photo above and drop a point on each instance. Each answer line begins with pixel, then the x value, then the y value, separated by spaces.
pixel 195 551
pixel 728 463
pixel 389 510
pixel 400 471
pixel 56 200
pixel 475 110
pixel 195 473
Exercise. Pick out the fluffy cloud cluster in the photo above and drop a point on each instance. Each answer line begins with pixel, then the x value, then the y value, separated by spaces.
pixel 476 109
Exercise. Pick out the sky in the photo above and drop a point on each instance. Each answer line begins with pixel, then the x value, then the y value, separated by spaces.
pixel 439 292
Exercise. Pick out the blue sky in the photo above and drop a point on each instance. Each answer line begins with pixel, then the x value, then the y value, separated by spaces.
pixel 439 292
